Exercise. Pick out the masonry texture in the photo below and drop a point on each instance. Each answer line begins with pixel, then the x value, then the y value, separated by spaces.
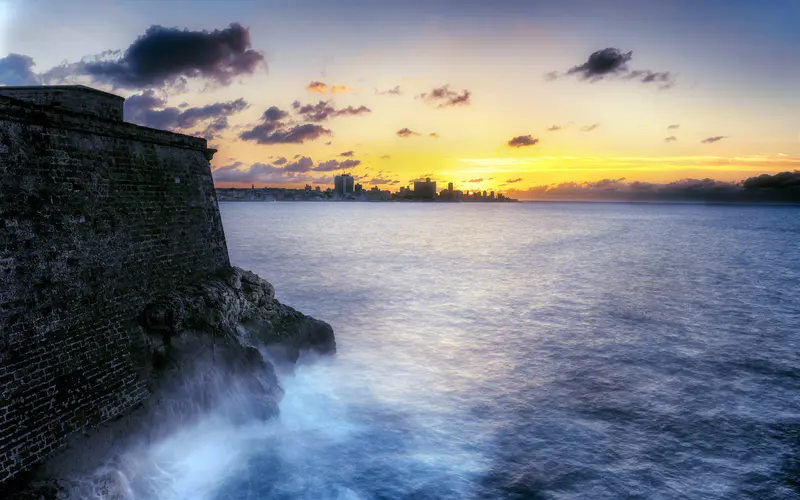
pixel 97 217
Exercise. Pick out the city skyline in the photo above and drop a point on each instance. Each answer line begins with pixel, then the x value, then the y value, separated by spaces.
pixel 509 97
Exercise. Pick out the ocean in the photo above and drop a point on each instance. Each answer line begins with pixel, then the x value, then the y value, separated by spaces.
pixel 521 351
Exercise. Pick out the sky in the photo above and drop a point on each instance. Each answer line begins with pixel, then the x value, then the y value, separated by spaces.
pixel 505 95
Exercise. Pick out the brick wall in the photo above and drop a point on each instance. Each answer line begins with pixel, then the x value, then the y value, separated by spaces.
pixel 96 217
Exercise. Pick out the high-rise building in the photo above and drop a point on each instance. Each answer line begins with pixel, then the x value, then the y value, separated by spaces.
pixel 425 190
pixel 450 186
pixel 343 184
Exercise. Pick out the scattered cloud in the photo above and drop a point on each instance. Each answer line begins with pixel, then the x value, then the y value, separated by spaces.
pixel 434 135
pixel 258 172
pixel 304 164
pixel 280 161
pixel 339 89
pixel 328 166
pixel 17 69
pixel 386 157
pixel 444 97
pixel 379 180
pixel 350 163
pixel 479 179
pixel 169 57
pixel 511 181
pixel 273 130
pixel 674 126
pixel 393 91
pixel 324 110
pixel 406 132
pixel 317 87
pixel 589 128
pixel 716 138
pixel 671 138
pixel 150 110
pixel 613 63
pixel 554 128
pixel 347 154
pixel 522 141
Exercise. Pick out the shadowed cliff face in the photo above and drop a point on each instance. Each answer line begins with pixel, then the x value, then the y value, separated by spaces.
pixel 209 355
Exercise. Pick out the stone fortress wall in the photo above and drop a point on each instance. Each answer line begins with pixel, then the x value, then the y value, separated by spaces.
pixel 97 217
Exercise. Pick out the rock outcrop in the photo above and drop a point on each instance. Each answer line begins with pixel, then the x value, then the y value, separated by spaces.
pixel 211 346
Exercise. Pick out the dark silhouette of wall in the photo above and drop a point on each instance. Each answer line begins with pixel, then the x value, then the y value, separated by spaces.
pixel 97 217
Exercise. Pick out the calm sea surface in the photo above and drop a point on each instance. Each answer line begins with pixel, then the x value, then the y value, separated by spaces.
pixel 536 351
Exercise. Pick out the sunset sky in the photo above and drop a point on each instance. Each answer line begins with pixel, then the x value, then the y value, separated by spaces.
pixel 695 88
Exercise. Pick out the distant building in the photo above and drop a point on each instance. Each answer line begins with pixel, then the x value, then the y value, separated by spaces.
pixel 450 186
pixel 425 190
pixel 343 185
pixel 359 189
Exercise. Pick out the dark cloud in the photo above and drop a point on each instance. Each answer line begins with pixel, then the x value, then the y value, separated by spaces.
pixel 511 181
pixel 327 166
pixel 716 138
pixel 394 91
pixel 674 126
pixel 603 63
pixel 347 154
pixel 16 69
pixel 444 97
pixel 434 135
pixel 318 87
pixel 671 138
pixel 304 164
pixel 148 109
pixel 169 56
pixel 406 132
pixel 280 161
pixel 379 180
pixel 274 131
pixel 323 110
pixel 778 188
pixel 479 179
pixel 350 163
pixel 395 182
pixel 613 63
pixel 258 172
pixel 589 128
pixel 523 140
pixel 554 128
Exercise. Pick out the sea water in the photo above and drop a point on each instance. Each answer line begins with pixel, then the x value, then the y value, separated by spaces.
pixel 525 351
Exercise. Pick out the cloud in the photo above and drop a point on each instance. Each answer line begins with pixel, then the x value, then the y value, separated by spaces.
pixel 16 69
pixel 554 128
pixel 445 98
pixel 304 164
pixel 406 132
pixel 379 180
pixel 318 87
pixel 143 109
pixel 347 154
pixel 393 91
pixel 589 128
pixel 350 163
pixel 272 130
pixel 434 135
pixel 602 63
pixel 511 181
pixel 386 157
pixel 280 161
pixel 479 179
pixel 339 89
pixel 674 126
pixel 671 138
pixel 613 63
pixel 323 110
pixel 523 140
pixel 169 56
pixel 716 138
pixel 782 187
pixel 327 166
pixel 258 172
